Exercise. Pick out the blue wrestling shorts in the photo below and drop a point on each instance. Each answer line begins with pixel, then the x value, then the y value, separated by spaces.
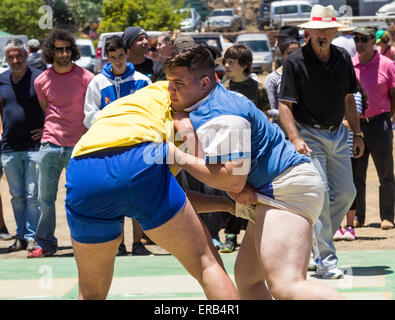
pixel 102 188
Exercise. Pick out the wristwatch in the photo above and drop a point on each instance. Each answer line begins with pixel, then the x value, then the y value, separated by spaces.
pixel 359 134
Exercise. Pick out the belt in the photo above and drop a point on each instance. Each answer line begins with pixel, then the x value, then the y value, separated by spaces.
pixel 330 128
pixel 377 116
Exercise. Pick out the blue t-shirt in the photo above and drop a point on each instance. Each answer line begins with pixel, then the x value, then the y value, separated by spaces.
pixel 230 127
pixel 21 112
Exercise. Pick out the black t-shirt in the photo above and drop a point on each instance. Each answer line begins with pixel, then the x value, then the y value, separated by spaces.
pixel 317 89
pixel 152 69
pixel 20 112
pixel 253 90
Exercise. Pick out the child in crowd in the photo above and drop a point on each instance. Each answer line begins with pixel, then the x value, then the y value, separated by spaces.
pixel 349 232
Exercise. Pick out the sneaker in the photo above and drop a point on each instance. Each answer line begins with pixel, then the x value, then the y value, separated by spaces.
pixel 18 245
pixel 121 250
pixel 386 225
pixel 40 253
pixel 349 234
pixel 31 245
pixel 217 244
pixel 138 249
pixel 357 224
pixel 230 243
pixel 333 273
pixel 338 234
pixel 4 235
pixel 312 264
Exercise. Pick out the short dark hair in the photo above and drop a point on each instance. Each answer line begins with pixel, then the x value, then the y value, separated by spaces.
pixel 242 54
pixel 195 59
pixel 49 45
pixel 113 44
pixel 283 46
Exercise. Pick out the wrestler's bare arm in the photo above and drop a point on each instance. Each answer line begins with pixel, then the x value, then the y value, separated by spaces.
pixel 230 176
pixel 204 203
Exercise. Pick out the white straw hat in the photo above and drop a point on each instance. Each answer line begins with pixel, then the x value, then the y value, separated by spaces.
pixel 347 26
pixel 321 17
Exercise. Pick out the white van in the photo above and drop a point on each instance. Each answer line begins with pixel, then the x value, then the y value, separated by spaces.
pixel 259 44
pixel 280 10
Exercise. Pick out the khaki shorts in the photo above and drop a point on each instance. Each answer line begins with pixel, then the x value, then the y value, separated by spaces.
pixel 298 190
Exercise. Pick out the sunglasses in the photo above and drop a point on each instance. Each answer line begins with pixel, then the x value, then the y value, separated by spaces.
pixel 362 39
pixel 62 49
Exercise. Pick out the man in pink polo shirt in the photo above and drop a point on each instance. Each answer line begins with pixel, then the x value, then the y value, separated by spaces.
pixel 376 73
pixel 61 93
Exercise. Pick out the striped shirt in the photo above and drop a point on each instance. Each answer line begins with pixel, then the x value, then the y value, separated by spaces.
pixel 350 139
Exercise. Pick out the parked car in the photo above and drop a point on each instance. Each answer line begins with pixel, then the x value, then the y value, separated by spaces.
pixel 212 39
pixel 259 44
pixel 387 10
pixel 87 59
pixel 223 20
pixel 192 21
pixel 101 59
pixel 293 9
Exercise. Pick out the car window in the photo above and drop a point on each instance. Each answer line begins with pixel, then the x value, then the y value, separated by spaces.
pixel 256 45
pixel 305 8
pixel 217 13
pixel 210 42
pixel 187 14
pixel 286 9
pixel 86 51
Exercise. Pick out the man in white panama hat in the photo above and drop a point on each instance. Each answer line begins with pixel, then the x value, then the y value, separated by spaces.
pixel 316 93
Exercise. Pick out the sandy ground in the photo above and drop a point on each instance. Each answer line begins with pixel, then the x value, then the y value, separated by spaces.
pixel 370 237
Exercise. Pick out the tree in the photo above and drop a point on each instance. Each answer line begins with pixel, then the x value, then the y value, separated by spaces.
pixel 62 16
pixel 22 17
pixel 85 11
pixel 158 15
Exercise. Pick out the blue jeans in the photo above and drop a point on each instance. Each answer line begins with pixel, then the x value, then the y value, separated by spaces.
pixel 21 169
pixel 331 158
pixel 52 160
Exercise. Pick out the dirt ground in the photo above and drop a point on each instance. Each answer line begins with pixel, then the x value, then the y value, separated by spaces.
pixel 371 237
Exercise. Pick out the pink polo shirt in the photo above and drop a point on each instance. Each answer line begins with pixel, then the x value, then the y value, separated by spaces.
pixel 65 97
pixel 376 78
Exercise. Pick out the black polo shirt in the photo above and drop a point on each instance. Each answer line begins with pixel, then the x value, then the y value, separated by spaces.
pixel 20 112
pixel 318 89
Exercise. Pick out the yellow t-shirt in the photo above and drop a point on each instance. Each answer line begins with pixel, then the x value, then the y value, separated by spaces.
pixel 144 116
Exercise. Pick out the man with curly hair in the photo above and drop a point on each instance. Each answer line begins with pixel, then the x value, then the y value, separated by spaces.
pixel 61 92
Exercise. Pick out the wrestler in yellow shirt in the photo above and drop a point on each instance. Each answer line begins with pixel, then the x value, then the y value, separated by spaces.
pixel 144 116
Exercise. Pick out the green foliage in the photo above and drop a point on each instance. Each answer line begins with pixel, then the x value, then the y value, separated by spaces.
pixel 86 11
pixel 62 16
pixel 21 17
pixel 158 15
